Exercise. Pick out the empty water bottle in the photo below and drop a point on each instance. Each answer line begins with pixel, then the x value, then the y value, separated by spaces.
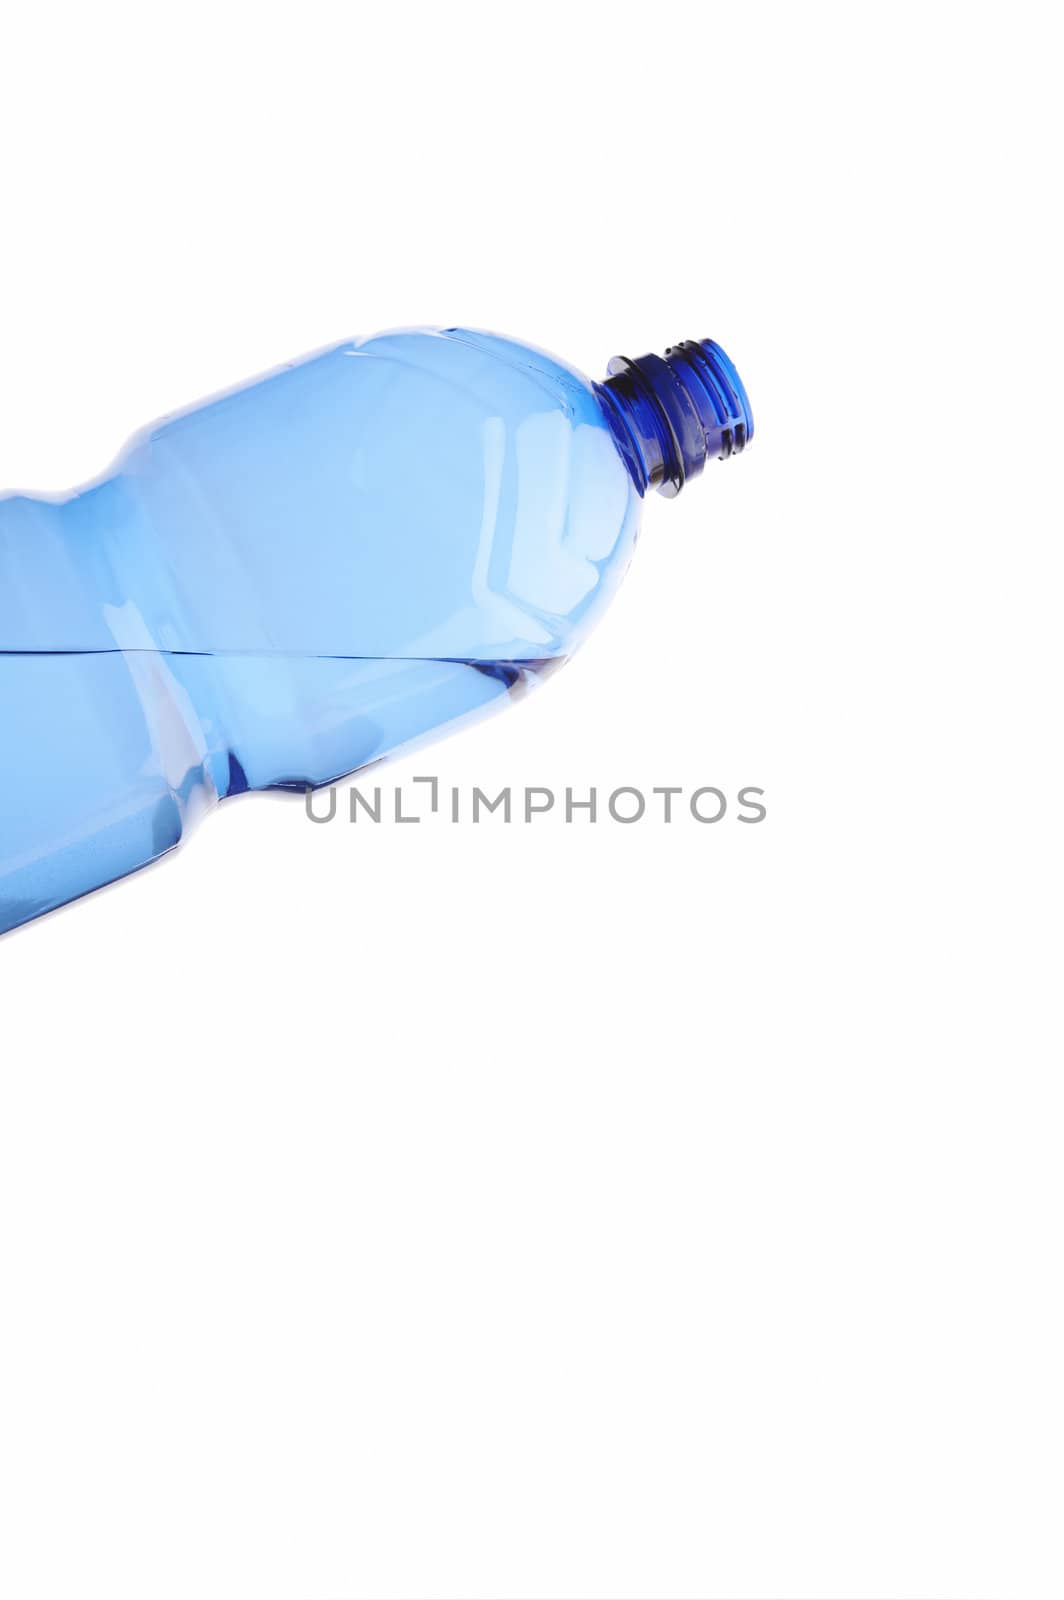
pixel 291 580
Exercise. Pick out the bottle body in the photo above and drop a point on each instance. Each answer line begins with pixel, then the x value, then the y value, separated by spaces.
pixel 288 582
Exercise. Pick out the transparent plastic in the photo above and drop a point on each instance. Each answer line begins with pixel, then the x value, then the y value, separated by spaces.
pixel 294 579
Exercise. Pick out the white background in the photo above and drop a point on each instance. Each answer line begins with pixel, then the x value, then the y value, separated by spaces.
pixel 547 1211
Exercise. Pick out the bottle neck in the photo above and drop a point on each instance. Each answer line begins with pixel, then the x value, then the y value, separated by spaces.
pixel 671 414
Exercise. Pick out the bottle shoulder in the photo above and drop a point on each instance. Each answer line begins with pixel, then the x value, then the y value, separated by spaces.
pixel 489 364
pixel 420 493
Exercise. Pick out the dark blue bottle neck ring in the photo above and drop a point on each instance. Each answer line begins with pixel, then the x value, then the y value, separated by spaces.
pixel 671 414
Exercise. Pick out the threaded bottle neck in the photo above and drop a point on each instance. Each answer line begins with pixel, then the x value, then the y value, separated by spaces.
pixel 671 414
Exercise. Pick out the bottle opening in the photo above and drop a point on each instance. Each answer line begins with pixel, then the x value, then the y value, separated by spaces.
pixel 671 414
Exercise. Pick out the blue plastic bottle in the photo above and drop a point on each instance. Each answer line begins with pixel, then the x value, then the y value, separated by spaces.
pixel 293 579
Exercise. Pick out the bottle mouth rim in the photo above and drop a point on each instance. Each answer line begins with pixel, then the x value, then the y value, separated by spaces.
pixel 736 400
